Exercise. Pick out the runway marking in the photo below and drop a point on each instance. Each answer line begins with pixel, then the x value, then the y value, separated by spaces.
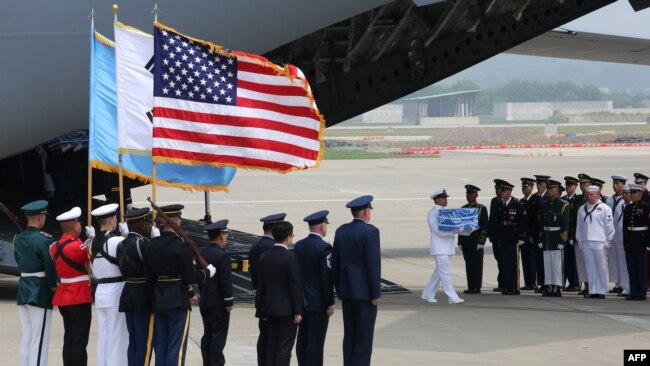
pixel 302 201
pixel 570 310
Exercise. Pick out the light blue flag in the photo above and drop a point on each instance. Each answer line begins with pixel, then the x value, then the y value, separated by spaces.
pixel 103 137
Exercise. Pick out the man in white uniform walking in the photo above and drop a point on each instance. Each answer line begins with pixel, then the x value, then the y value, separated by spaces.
pixel 595 231
pixel 441 248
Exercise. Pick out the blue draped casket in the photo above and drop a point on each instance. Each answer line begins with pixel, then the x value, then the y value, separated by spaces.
pixel 461 220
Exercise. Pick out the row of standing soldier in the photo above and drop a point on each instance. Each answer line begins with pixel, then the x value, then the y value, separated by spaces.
pixel 143 290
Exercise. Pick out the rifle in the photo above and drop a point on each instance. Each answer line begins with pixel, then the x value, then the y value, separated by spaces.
pixel 12 216
pixel 177 229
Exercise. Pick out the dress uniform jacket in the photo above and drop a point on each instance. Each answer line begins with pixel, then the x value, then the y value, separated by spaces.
pixel 356 261
pixel 79 291
pixel 478 236
pixel 510 223
pixel 168 265
pixel 440 242
pixel 315 257
pixel 617 205
pixel 280 285
pixel 574 202
pixel 33 257
pixel 216 292
pixel 554 216
pixel 265 243
pixel 636 236
pixel 534 204
pixel 137 295
pixel 595 224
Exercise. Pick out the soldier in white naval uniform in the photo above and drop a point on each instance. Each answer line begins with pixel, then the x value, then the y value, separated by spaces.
pixel 441 248
pixel 594 232
pixel 616 253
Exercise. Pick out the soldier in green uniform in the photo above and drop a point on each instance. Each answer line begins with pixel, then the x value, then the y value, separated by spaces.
pixel 599 183
pixel 36 285
pixel 553 233
pixel 570 267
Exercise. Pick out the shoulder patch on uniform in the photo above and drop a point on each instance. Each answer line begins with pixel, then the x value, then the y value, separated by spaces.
pixel 46 234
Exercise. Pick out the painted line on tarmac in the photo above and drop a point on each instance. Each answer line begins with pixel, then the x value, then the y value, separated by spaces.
pixel 298 201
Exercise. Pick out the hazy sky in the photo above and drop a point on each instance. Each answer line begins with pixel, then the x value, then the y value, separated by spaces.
pixel 617 19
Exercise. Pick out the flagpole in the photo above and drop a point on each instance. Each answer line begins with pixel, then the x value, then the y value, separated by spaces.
pixel 90 167
pixel 115 9
pixel 155 11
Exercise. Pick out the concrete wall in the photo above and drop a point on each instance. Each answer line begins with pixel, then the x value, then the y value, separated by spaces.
pixel 537 111
pixel 449 121
pixel 389 113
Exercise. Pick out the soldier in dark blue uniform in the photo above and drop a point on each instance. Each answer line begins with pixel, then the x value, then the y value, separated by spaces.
pixel 570 267
pixel 265 243
pixel 216 301
pixel 492 232
pixel 529 248
pixel 539 197
pixel 169 268
pixel 356 269
pixel 636 240
pixel 36 285
pixel 472 244
pixel 280 292
pixel 315 257
pixel 510 231
pixel 642 179
pixel 136 299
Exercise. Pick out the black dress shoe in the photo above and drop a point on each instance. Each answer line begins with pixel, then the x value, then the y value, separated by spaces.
pixel 620 294
pixel 616 290
pixel 557 293
pixel 597 296
pixel 527 288
pixel 476 291
pixel 572 289
pixel 546 294
pixel 468 291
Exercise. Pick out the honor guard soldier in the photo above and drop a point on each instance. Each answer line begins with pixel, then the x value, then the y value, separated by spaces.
pixel 280 292
pixel 169 268
pixel 616 253
pixel 554 216
pixel 74 294
pixel 216 300
pixel 356 269
pixel 315 257
pixel 529 249
pixel 495 203
pixel 511 231
pixel 636 239
pixel 642 180
pixel 137 297
pixel 599 183
pixel 265 243
pixel 595 231
pixel 35 286
pixel 570 268
pixel 541 182
pixel 472 244
pixel 585 182
pixel 112 335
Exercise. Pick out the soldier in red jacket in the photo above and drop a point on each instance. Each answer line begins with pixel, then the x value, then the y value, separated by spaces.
pixel 73 296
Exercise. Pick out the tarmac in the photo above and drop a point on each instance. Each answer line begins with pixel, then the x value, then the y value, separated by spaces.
pixel 488 329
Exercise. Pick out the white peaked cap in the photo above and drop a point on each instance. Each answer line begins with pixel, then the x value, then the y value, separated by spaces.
pixel 111 208
pixel 73 214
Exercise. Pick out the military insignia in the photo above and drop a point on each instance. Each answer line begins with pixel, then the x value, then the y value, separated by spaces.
pixel 234 265
pixel 46 234
pixel 639 212
pixel 329 261
pixel 555 218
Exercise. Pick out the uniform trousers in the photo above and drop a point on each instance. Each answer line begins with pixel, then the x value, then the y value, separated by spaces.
pixel 596 266
pixel 496 251
pixel 580 263
pixel 553 267
pixel 311 338
pixel 636 266
pixel 473 265
pixel 215 332
pixel 539 255
pixel 170 344
pixel 112 337
pixel 618 267
pixel 263 326
pixel 358 330
pixel 509 266
pixel 529 263
pixel 570 269
pixel 35 341
pixel 76 330
pixel 141 337
pixel 441 274
pixel 280 341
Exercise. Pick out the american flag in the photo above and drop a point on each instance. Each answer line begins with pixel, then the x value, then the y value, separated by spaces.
pixel 221 107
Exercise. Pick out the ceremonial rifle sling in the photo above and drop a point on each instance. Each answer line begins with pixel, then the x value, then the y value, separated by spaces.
pixel 68 261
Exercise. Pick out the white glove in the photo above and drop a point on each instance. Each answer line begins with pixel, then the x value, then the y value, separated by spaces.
pixel 155 232
pixel 560 246
pixel 124 228
pixel 540 245
pixel 570 242
pixel 90 232
pixel 129 207
pixel 647 248
pixel 608 244
pixel 520 242
pixel 212 270
pixel 479 247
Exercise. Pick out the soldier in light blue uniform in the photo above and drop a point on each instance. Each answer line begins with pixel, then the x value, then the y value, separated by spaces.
pixel 36 285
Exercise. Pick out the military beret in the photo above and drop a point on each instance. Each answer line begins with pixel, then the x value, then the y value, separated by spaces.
pixel 619 178
pixel 640 178
pixel 136 214
pixel 471 189
pixel 172 210
pixel 527 181
pixel 35 208
pixel 584 177
pixel 360 203
pixel 270 219
pixel 597 182
pixel 73 214
pixel 636 188
pixel 541 178
pixel 571 180
pixel 105 211
pixel 317 218
pixel 217 227
pixel 439 193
